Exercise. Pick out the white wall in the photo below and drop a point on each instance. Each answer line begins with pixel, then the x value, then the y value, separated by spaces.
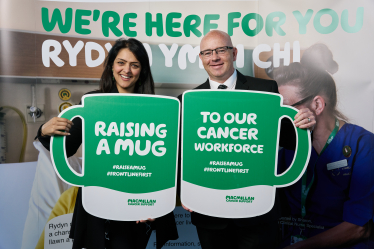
pixel 18 95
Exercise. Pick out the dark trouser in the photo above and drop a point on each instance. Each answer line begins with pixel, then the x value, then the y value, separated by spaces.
pixel 129 235
pixel 262 236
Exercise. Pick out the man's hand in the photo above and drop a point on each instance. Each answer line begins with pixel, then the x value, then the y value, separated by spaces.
pixel 304 119
pixel 186 208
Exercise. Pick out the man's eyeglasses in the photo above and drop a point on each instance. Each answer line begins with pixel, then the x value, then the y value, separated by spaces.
pixel 303 101
pixel 219 51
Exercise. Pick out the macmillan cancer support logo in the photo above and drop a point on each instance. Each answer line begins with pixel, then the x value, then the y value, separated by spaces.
pixel 141 202
pixel 242 199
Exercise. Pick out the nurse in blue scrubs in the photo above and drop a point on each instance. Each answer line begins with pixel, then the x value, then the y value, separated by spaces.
pixel 332 205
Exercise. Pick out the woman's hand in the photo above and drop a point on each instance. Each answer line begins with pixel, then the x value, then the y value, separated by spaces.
pixel 144 221
pixel 57 126
pixel 304 119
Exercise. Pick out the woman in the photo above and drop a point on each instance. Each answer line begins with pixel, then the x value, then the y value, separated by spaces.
pixel 336 206
pixel 126 70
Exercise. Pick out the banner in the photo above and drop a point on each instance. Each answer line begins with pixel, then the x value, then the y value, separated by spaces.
pixel 63 44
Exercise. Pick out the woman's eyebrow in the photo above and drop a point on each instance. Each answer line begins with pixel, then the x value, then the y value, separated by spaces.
pixel 130 61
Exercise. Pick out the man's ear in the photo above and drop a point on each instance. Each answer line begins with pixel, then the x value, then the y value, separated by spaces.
pixel 318 105
pixel 234 53
pixel 200 57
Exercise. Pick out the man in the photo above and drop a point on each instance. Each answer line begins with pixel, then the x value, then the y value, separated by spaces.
pixel 218 56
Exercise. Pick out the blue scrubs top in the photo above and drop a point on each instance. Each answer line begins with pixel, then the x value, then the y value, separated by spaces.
pixel 342 194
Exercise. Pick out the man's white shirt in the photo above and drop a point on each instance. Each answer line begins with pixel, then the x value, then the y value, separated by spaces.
pixel 230 82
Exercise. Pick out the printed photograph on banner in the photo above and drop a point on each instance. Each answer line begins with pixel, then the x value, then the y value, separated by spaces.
pixel 337 181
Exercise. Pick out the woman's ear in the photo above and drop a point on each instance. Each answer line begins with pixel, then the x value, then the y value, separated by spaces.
pixel 318 105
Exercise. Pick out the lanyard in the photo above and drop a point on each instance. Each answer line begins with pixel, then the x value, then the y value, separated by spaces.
pixel 304 188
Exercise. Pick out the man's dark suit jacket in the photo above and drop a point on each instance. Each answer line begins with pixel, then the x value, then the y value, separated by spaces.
pixel 287 140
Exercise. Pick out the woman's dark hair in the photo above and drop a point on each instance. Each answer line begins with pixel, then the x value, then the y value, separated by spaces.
pixel 145 83
pixel 311 79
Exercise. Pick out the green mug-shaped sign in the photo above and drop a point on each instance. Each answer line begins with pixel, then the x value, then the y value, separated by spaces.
pixel 129 146
pixel 230 147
